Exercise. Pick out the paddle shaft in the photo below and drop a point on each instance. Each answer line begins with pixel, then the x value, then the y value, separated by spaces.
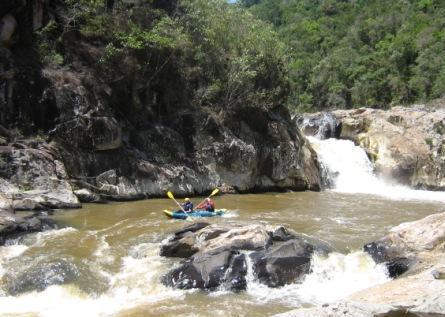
pixel 180 206
pixel 170 195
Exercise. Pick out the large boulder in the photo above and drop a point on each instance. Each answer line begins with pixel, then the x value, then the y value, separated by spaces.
pixel 38 276
pixel 406 144
pixel 214 239
pixel 205 271
pixel 283 264
pixel 217 255
pixel 34 179
pixel 406 245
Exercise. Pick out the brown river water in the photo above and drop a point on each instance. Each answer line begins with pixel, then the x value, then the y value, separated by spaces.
pixel 106 257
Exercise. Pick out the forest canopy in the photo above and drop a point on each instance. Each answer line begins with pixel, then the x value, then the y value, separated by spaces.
pixel 355 53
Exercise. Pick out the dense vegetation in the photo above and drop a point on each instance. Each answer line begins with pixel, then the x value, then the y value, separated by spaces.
pixel 353 53
pixel 309 54
pixel 217 54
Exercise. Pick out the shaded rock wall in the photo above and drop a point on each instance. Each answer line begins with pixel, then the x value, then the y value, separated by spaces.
pixel 132 137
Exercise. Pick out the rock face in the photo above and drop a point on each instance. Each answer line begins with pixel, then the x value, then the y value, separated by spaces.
pixel 12 225
pixel 32 178
pixel 406 144
pixel 131 138
pixel 417 292
pixel 219 256
pixel 323 125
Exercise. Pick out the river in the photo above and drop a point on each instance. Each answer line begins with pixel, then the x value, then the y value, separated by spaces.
pixel 104 259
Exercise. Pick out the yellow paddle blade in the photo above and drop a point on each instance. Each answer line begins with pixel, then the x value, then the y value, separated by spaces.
pixel 170 195
pixel 215 191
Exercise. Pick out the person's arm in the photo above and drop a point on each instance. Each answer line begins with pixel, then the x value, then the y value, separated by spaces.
pixel 201 206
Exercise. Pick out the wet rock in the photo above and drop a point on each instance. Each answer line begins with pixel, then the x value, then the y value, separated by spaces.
pixel 205 271
pixel 86 196
pixel 39 276
pixel 398 266
pixel 283 264
pixel 282 234
pixel 235 277
pixel 12 225
pixel 323 125
pixel 216 256
pixel 181 248
pixel 401 248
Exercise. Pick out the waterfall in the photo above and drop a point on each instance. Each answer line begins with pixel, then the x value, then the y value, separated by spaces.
pixel 349 170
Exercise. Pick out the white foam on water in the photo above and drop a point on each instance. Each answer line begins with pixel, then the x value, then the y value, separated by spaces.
pixel 230 214
pixel 333 277
pixel 352 172
pixel 8 252
pixel 136 283
pixel 336 276
pixel 40 238
pixel 102 252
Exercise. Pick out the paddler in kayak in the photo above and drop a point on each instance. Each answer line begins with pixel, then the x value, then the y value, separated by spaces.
pixel 187 205
pixel 207 205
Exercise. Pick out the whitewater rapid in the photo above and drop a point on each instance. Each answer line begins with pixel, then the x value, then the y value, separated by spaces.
pixel 138 282
pixel 351 171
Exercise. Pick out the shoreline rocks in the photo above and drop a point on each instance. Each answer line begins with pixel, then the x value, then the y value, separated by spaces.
pixel 417 290
pixel 13 225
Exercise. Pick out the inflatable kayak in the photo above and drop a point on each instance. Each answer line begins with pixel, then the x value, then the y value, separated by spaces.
pixel 194 214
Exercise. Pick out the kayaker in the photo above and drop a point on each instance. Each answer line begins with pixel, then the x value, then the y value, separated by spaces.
pixel 207 204
pixel 187 205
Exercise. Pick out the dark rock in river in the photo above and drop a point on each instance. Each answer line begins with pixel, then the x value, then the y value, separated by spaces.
pixel 217 256
pixel 12 225
pixel 283 264
pixel 205 271
pixel 40 276
pixel 183 243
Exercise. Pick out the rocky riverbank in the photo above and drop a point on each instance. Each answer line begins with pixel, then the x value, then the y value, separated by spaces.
pixel 126 135
pixel 419 249
pixel 405 144
pixel 12 225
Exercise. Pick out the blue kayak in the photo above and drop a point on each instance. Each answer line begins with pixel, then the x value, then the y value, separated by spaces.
pixel 194 214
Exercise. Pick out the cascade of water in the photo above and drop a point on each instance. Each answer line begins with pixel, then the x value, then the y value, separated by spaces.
pixel 350 171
